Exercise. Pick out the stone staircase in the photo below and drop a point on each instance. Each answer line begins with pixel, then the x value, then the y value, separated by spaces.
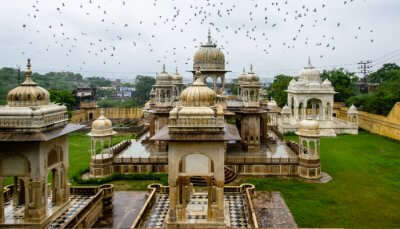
pixel 230 176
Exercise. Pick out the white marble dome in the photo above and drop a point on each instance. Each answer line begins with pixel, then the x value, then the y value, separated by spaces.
pixel 102 127
pixel 308 128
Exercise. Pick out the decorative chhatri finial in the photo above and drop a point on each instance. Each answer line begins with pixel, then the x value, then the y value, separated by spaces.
pixel 209 36
pixel 177 70
pixel 309 62
pixel 102 112
pixel 28 69
pixel 244 70
pixel 163 68
pixel 251 68
pixel 28 81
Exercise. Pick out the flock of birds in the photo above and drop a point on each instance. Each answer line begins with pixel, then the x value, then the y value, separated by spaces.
pixel 253 20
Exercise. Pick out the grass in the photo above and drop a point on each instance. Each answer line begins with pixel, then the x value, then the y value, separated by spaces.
pixel 79 152
pixel 364 192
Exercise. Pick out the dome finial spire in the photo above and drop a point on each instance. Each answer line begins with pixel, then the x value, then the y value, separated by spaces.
pixel 251 68
pixel 309 62
pixel 244 70
pixel 28 74
pixel 209 36
pixel 163 68
pixel 176 70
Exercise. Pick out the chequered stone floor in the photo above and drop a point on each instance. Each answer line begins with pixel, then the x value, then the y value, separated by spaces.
pixel 15 214
pixel 236 215
pixel 77 203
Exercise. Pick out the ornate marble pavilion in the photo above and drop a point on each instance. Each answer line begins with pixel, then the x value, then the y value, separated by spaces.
pixel 34 150
pixel 309 97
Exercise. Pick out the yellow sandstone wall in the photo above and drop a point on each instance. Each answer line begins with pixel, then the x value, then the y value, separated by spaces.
pixel 386 126
pixel 84 115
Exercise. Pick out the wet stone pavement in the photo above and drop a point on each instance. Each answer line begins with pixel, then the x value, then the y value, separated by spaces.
pixel 272 211
pixel 126 206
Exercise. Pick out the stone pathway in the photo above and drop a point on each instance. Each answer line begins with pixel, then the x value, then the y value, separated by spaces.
pixel 272 211
pixel 126 206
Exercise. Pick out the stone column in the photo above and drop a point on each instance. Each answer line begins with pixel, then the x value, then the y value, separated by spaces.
pixel 16 191
pixel 215 84
pixel 223 83
pixel 38 205
pixel 172 202
pixel 220 201
pixel 1 200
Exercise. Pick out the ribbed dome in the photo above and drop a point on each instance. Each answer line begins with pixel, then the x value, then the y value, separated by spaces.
pixel 252 75
pixel 28 93
pixel 326 83
pixel 285 110
pixel 352 110
pixel 243 76
pixel 163 77
pixel 209 57
pixel 176 76
pixel 198 94
pixel 102 127
pixel 309 73
pixel 308 128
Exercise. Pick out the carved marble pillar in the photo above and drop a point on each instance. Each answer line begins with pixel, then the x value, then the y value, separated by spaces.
pixel 37 207
pixel 1 200
pixel 172 202
pixel 220 216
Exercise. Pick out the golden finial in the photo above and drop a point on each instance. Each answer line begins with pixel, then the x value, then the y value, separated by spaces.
pixel 251 68
pixel 28 69
pixel 209 36
pixel 309 62
pixel 28 74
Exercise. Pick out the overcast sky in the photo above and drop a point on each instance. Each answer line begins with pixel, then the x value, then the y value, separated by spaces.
pixel 120 39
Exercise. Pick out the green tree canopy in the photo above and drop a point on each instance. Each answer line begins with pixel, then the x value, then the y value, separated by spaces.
pixel 143 85
pixel 383 98
pixel 343 81
pixel 383 74
pixel 63 97
pixel 277 89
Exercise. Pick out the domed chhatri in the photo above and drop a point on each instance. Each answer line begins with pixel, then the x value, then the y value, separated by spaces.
pixel 28 94
pixel 176 76
pixel 163 77
pixel 209 57
pixel 102 127
pixel 198 94
pixel 310 73
pixel 352 110
pixel 308 128
pixel 243 76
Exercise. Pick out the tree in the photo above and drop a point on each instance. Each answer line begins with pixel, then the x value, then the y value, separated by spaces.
pixel 383 74
pixel 63 97
pixel 343 81
pixel 382 100
pixel 143 85
pixel 277 89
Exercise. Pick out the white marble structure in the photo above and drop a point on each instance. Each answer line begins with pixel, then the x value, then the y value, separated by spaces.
pixel 310 97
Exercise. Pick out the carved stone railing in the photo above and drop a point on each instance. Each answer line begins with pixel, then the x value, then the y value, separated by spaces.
pixel 242 160
pixel 141 160
pixel 141 217
pixel 100 193
pixel 118 148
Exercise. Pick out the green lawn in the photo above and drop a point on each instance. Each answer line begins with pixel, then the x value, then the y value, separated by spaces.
pixel 364 192
pixel 79 152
